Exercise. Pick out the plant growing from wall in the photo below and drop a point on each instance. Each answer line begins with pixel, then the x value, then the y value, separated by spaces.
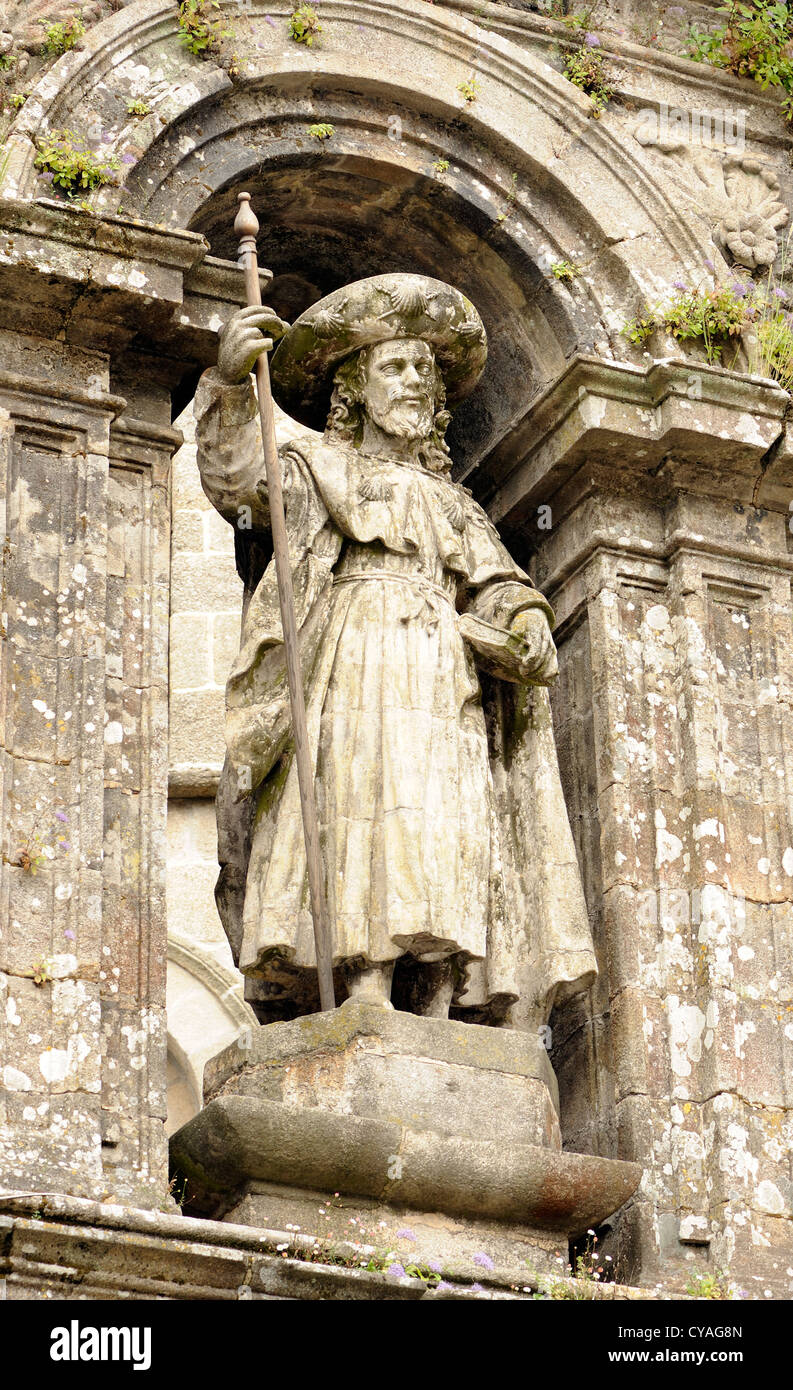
pixel 321 131
pixel 60 37
pixel 201 32
pixel 18 99
pixel 304 25
pixel 721 314
pixel 73 167
pixel 715 1285
pixel 589 1268
pixel 712 316
pixel 509 201
pixel 771 351
pixel 566 271
pixel 755 41
pixel 138 107
pixel 29 856
pixel 585 67
pixel 41 971
pixel 578 19
pixel 469 89
pixel 774 353
pixel 440 166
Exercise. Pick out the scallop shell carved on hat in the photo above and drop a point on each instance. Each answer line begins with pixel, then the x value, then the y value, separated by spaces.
pixel 408 299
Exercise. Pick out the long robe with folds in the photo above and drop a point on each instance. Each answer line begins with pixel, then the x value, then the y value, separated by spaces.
pixel 442 823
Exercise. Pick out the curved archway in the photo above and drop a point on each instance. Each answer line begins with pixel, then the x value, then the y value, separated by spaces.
pixel 205 1012
pixel 488 193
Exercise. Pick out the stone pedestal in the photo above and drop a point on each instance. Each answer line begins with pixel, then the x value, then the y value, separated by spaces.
pixel 426 1139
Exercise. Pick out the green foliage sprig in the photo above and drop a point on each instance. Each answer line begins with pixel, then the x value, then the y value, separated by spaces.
pixel 304 25
pixel 60 37
pixel 566 271
pixel 755 41
pixel 321 131
pixel 712 1285
pixel 580 1279
pixel 138 107
pixel 469 89
pixel 41 971
pixel 713 315
pixel 579 19
pixel 717 315
pixel 585 67
pixel 74 168
pixel 200 32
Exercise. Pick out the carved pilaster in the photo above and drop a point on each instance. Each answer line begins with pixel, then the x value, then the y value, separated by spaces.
pixel 672 589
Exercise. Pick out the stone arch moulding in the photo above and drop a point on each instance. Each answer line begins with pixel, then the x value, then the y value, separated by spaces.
pixel 531 177
pixel 205 1012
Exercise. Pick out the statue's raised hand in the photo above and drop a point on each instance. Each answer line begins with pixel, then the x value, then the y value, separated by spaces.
pixel 532 627
pixel 248 333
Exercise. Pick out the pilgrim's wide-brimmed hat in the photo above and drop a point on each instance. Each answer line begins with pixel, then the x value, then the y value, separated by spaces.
pixel 376 310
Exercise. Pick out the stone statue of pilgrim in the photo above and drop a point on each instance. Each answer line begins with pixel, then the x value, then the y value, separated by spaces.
pixel 425 653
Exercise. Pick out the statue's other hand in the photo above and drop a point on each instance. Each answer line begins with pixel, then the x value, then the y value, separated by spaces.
pixel 532 628
pixel 248 333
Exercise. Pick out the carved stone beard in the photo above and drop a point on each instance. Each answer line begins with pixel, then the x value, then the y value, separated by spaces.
pixel 404 419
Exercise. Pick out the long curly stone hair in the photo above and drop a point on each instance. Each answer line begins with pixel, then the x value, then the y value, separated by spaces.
pixel 346 415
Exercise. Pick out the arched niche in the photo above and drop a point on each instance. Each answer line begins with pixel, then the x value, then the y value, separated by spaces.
pixel 205 1012
pixel 488 194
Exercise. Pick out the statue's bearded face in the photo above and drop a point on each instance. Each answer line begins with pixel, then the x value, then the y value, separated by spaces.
pixel 398 387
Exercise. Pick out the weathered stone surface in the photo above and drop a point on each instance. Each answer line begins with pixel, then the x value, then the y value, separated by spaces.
pixel 394 1114
pixel 662 502
pixel 385 1064
pixel 67 1248
pixel 239 1140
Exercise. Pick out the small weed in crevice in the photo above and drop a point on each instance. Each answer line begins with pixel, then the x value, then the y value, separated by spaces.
pixel 201 32
pixel 41 971
pixel 138 107
pixel 73 167
pixel 566 271
pixel 578 19
pixel 585 67
pixel 321 131
pixel 509 201
pixel 712 1286
pixel 304 25
pixel 61 36
pixel 469 89
pixel 754 41
pixel 587 1270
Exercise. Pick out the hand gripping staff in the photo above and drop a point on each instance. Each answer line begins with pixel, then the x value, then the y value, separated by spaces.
pixel 246 226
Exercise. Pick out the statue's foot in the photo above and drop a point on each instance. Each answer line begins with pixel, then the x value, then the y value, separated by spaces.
pixel 372 985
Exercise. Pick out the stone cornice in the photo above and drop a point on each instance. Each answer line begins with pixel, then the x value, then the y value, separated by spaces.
pixel 639 421
pixel 101 403
pixel 111 280
pixel 129 238
pixel 702 83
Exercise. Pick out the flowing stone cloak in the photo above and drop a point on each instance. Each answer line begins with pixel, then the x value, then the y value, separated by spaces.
pixel 346 513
